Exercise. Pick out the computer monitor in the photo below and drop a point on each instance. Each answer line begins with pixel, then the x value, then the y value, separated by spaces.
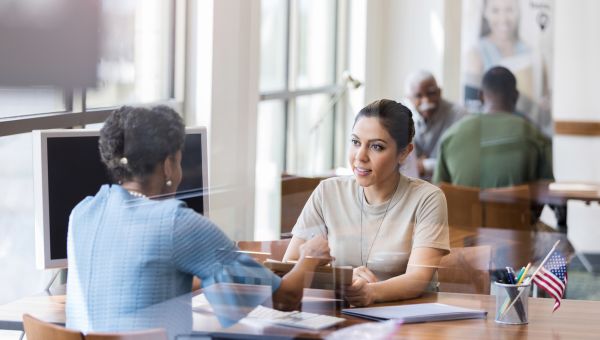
pixel 67 168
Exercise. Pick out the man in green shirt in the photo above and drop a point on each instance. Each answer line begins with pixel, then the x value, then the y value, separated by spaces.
pixel 497 148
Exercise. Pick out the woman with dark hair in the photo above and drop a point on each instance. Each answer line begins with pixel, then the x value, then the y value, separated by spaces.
pixel 500 44
pixel 133 248
pixel 393 229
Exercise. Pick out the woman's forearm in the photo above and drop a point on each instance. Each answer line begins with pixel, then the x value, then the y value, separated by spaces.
pixel 292 253
pixel 289 294
pixel 406 286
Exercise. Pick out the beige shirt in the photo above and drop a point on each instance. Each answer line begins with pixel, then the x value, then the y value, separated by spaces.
pixel 416 216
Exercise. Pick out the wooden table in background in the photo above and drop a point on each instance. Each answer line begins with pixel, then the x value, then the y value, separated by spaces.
pixel 541 193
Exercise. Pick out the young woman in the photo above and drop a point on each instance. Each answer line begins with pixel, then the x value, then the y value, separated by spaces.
pixel 133 250
pixel 393 229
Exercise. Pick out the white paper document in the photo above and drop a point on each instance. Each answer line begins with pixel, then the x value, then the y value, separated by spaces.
pixel 293 319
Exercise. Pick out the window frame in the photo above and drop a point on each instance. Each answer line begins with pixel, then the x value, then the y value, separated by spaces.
pixel 77 113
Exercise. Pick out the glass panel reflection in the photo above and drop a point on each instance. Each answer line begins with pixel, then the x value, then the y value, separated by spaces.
pixel 273 45
pixel 316 43
pixel 135 53
pixel 310 148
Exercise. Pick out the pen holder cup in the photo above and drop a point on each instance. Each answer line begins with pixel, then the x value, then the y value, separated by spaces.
pixel 511 303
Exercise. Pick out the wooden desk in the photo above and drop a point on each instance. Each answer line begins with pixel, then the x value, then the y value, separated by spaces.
pixel 574 320
pixel 47 308
pixel 541 193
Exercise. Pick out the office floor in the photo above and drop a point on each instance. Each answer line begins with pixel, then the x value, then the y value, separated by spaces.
pixel 584 285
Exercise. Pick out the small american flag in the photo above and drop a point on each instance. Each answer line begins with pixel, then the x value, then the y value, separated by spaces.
pixel 553 277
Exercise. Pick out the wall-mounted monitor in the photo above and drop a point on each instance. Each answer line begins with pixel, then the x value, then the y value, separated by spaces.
pixel 67 168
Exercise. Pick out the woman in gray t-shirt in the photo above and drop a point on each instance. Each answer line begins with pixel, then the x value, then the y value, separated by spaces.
pixel 391 228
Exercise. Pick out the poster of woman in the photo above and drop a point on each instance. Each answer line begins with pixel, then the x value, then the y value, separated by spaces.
pixel 516 34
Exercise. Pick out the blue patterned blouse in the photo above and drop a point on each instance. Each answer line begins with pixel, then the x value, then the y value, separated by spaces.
pixel 131 263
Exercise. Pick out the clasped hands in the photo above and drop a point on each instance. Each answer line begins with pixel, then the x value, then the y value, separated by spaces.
pixel 361 292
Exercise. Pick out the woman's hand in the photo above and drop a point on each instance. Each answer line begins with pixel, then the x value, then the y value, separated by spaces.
pixel 360 293
pixel 316 248
pixel 364 273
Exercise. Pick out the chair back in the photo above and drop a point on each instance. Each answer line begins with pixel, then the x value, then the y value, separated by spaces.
pixel 149 334
pixel 37 329
pixel 507 208
pixel 466 270
pixel 295 191
pixel 263 250
pixel 464 207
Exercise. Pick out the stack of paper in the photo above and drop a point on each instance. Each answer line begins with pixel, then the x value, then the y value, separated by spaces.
pixel 424 312
pixel 294 319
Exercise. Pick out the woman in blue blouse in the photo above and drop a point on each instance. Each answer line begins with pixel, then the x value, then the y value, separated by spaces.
pixel 133 249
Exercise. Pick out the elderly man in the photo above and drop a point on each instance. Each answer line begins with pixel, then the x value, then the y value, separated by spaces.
pixel 497 148
pixel 434 116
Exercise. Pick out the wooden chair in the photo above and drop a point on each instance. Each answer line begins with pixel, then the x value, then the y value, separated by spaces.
pixel 149 334
pixel 295 191
pixel 37 329
pixel 262 250
pixel 466 270
pixel 464 208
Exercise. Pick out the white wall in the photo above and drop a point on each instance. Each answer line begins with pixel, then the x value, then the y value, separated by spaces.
pixel 404 36
pixel 576 74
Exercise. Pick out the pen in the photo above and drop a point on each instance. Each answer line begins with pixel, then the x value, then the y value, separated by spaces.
pixel 520 274
pixel 512 293
pixel 511 275
pixel 524 273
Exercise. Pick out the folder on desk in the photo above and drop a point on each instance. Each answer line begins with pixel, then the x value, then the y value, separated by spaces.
pixel 424 312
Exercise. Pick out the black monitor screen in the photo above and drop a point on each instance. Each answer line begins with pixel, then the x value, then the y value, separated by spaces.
pixel 75 171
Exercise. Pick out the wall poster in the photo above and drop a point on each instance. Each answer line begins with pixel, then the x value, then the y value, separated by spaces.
pixel 517 34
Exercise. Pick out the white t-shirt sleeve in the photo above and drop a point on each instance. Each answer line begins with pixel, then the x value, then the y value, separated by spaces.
pixel 431 227
pixel 311 221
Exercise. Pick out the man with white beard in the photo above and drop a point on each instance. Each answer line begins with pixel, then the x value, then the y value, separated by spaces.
pixel 434 115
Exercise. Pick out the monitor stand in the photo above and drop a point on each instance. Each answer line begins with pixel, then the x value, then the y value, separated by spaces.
pixel 60 273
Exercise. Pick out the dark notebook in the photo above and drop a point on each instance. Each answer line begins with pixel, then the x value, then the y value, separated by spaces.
pixel 424 312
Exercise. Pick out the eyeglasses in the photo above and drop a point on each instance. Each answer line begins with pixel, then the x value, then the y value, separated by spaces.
pixel 430 93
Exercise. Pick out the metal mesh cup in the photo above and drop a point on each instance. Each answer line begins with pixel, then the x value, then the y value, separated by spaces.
pixel 511 303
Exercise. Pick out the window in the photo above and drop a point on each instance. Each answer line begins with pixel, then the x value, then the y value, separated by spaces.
pixel 136 66
pixel 299 110
pixel 301 81
pixel 137 63
pixel 18 101
pixel 135 53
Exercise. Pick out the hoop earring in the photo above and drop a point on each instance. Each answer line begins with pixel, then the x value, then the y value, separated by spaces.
pixel 169 183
